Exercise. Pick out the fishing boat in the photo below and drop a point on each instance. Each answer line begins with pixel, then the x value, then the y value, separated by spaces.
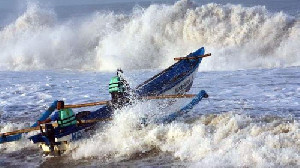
pixel 172 82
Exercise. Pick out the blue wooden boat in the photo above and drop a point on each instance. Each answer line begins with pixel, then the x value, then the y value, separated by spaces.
pixel 177 79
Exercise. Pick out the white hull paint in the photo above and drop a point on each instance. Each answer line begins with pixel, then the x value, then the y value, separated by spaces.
pixel 180 88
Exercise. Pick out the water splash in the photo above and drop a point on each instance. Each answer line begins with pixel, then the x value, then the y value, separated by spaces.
pixel 226 139
pixel 239 38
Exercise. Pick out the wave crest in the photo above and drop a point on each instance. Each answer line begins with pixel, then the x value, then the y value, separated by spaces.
pixel 226 139
pixel 238 37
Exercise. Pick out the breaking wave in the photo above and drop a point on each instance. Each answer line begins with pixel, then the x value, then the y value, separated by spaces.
pixel 238 37
pixel 17 145
pixel 214 140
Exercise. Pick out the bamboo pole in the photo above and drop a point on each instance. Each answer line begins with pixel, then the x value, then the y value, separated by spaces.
pixel 26 130
pixel 169 96
pixel 147 97
pixel 87 104
pixel 188 58
pixel 19 131
pixel 93 120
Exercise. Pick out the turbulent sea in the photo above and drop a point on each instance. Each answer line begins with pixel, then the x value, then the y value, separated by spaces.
pixel 69 50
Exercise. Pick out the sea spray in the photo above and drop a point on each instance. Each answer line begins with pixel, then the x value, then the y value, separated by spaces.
pixel 38 41
pixel 17 145
pixel 124 133
pixel 226 139
pixel 239 38
pixel 262 131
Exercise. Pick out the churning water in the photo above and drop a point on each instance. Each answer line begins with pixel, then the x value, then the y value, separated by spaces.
pixel 250 119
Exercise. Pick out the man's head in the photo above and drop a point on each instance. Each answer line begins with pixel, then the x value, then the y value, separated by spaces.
pixel 60 105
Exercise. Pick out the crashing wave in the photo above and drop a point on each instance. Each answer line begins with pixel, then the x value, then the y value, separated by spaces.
pixel 238 37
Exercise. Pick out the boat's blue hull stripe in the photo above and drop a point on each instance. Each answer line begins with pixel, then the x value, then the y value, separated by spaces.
pixel 17 137
pixel 174 75
pixel 185 109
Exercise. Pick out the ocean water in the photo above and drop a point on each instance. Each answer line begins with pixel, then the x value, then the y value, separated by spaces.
pixel 69 50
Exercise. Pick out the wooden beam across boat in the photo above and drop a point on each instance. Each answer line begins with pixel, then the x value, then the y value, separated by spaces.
pixel 86 104
pixel 146 97
pixel 26 130
pixel 169 96
pixel 192 58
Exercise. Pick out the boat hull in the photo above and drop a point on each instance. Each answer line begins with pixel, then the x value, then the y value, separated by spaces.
pixel 174 80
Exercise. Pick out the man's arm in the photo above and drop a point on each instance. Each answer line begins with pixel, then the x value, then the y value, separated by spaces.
pixel 48 120
pixel 54 117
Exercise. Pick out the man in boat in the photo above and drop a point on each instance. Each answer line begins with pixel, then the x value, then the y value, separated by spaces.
pixel 64 116
pixel 119 90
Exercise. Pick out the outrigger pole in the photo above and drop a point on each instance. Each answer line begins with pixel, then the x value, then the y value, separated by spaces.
pixel 26 130
pixel 146 98
pixel 87 104
pixel 4 136
pixel 192 58
pixel 16 135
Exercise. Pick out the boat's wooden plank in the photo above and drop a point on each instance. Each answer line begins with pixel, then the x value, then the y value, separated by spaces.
pixel 192 58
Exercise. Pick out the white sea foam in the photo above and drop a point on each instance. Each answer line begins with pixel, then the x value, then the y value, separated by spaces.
pixel 226 139
pixel 238 37
pixel 17 145
pixel 224 135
